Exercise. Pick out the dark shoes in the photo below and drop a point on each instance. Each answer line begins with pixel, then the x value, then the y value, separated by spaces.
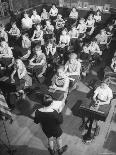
pixel 62 150
pixel 52 152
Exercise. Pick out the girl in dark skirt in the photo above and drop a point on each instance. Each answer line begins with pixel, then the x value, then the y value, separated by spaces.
pixel 50 121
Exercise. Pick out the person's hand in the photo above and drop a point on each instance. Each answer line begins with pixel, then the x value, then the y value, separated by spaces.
pixel 52 88
pixel 39 76
pixel 12 81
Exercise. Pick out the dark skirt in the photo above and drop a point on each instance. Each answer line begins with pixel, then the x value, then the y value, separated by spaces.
pixel 53 133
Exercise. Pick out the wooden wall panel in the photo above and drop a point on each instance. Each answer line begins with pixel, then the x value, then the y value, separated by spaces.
pixel 17 4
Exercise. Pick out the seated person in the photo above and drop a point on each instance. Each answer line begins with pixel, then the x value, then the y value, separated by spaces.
pixel 81 28
pixel 14 34
pixel 37 35
pixel 102 95
pixel 102 38
pixel 38 63
pixel 36 19
pixel 74 34
pixel 60 81
pixel 23 48
pixel 59 26
pixel 90 24
pixel 73 16
pixel 5 50
pixel 51 54
pixel 85 53
pixel 53 13
pixel 22 76
pixel 113 64
pixel 97 17
pixel 3 33
pixel 110 33
pixel 59 22
pixel 6 58
pixel 44 16
pixel 48 31
pixel 14 31
pixel 94 48
pixel 26 22
pixel 50 48
pixel 73 69
pixel 63 45
pixel 64 39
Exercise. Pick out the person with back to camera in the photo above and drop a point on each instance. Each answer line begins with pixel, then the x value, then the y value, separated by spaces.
pixel 50 119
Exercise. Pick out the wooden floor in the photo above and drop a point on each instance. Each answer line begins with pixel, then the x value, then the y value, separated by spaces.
pixel 28 139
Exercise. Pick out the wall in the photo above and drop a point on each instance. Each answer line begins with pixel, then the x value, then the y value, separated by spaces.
pixel 17 4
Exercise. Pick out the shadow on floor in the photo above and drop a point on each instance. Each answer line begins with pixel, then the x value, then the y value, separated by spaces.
pixel 110 143
pixel 22 150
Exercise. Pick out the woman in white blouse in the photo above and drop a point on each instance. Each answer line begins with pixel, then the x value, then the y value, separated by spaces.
pixel 90 24
pixel 36 19
pixel 53 13
pixel 22 74
pixel 26 22
pixel 97 17
pixel 37 35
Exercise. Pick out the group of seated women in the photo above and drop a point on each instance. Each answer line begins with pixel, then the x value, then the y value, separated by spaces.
pixel 47 40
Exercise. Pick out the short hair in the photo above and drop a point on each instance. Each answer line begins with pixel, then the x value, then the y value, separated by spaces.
pixel 73 56
pixel 60 67
pixel 47 100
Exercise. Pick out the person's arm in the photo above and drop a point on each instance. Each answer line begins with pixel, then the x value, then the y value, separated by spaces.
pixel 66 68
pixel 112 64
pixel 10 32
pixel 21 75
pixel 68 40
pixel 40 63
pixel 9 53
pixel 98 50
pixel 33 36
pixel 31 61
pixel 40 37
pixel 43 71
pixel 18 33
pixel 37 117
pixel 50 12
pixel 12 75
pixel 109 97
pixel 6 37
pixel 65 87
pixel 104 41
pixel 53 51
pixel 95 94
pixel 12 63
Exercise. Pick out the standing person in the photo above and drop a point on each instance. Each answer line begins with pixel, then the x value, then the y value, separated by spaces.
pixel 50 120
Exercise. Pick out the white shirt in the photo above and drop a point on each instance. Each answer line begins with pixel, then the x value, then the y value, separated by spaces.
pixel 103 94
pixel 27 23
pixel 57 105
pixel 53 12
pixel 73 15
pixel 36 18
pixel 97 18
